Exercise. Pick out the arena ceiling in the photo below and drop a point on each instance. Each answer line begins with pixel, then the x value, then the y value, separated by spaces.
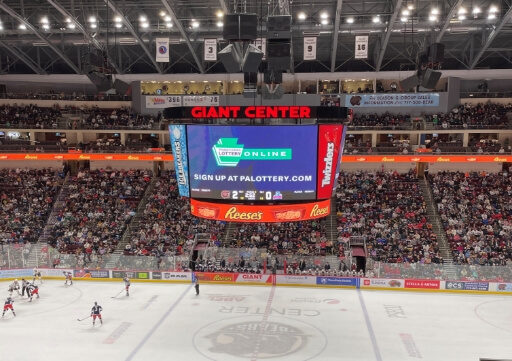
pixel 53 36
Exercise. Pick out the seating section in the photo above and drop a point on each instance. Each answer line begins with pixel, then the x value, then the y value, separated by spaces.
pixel 468 116
pixel 98 208
pixel 389 211
pixel 476 212
pixel 29 116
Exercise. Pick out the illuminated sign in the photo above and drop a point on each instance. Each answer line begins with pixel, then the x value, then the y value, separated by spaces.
pixel 260 213
pixel 251 112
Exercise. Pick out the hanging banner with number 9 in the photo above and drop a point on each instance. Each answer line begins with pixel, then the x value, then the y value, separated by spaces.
pixel 310 48
pixel 361 51
pixel 210 49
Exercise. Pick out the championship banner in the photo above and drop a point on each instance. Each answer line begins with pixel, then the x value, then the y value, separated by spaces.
pixel 361 51
pixel 260 213
pixel 310 48
pixel 162 50
pixel 261 44
pixel 210 50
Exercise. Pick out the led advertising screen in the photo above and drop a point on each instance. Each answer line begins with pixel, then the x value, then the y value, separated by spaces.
pixel 253 163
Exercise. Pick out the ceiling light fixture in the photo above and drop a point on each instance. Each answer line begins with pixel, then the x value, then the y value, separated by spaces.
pixel 493 9
pixel 94 26
pixel 22 27
pixel 324 16
pixel 119 25
pixel 71 26
pixel 220 14
pixel 195 24
pixel 167 18
pixel 491 16
pixel 302 16
pixel 405 12
pixel 476 10
pixel 434 11
pixel 403 19
pixel 145 25
pixel 324 21
pixel 118 19
pixel 143 19
pixel 220 24
pixel 350 20
pixel 376 19
pixel 92 19
pixel 169 25
pixel 432 17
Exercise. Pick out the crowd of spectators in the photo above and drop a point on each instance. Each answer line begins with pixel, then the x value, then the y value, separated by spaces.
pixel 101 118
pixel 166 228
pixel 99 205
pixel 480 116
pixel 389 211
pixel 29 116
pixel 381 121
pixel 476 212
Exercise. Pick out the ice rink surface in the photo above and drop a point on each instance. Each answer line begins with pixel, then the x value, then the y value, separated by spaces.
pixel 161 321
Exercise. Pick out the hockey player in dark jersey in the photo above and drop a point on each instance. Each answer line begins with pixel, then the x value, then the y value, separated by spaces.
pixel 24 287
pixel 8 306
pixel 34 290
pixel 96 312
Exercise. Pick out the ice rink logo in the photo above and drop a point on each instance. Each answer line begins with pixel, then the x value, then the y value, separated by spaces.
pixel 228 153
pixel 251 338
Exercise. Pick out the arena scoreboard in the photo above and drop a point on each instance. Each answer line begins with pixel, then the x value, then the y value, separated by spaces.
pixel 265 165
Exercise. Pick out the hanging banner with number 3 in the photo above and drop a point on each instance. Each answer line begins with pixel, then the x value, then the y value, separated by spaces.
pixel 210 49
pixel 361 51
pixel 310 48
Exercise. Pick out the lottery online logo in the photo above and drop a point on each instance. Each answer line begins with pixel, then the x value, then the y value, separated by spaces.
pixel 229 153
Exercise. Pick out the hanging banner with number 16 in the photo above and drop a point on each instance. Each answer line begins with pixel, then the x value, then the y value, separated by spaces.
pixel 210 49
pixel 361 47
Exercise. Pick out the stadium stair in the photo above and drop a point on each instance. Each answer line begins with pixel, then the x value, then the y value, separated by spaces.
pixel 133 225
pixel 33 259
pixel 437 227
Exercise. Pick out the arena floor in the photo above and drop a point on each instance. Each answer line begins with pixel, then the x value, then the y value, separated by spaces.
pixel 168 321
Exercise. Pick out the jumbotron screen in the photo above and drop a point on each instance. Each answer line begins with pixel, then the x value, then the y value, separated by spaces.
pixel 272 164
pixel 252 163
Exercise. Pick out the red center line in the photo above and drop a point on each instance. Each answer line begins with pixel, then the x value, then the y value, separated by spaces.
pixel 263 323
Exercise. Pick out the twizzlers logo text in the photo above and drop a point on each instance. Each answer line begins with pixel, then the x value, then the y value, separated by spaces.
pixel 326 180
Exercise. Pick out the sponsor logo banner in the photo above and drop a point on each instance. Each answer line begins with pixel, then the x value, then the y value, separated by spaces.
pixel 453 285
pixel 216 277
pixel 423 284
pixel 87 273
pixel 176 276
pixel 300 280
pixel 504 287
pixel 156 275
pixel 260 213
pixel 195 100
pixel 13 273
pixel 426 158
pixel 378 282
pixel 78 156
pixel 394 100
pixel 336 281
pixel 55 272
pixel 179 149
pixel 163 101
pixel 476 286
pixel 253 278
pixel 329 144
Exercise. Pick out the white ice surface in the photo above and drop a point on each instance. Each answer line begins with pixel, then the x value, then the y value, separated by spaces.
pixel 169 322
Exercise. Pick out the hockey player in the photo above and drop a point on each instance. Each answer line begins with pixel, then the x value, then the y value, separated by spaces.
pixel 34 290
pixel 37 273
pixel 8 306
pixel 96 312
pixel 127 285
pixel 14 287
pixel 24 287
pixel 69 277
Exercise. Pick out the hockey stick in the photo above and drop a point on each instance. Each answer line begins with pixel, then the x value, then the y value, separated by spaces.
pixel 81 319
pixel 118 293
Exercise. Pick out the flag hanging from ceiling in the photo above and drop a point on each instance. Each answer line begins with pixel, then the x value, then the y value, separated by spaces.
pixel 162 50
pixel 310 48
pixel 210 50
pixel 361 51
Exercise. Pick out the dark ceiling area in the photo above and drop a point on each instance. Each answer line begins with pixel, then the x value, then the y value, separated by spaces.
pixel 56 37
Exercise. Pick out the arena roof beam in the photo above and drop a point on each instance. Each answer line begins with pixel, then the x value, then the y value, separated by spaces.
pixel 449 17
pixel 335 33
pixel 80 27
pixel 491 38
pixel 40 35
pixel 136 35
pixel 178 24
pixel 23 58
pixel 384 43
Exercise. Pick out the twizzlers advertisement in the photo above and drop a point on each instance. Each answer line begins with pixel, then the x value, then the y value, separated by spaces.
pixel 330 142
pixel 260 213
